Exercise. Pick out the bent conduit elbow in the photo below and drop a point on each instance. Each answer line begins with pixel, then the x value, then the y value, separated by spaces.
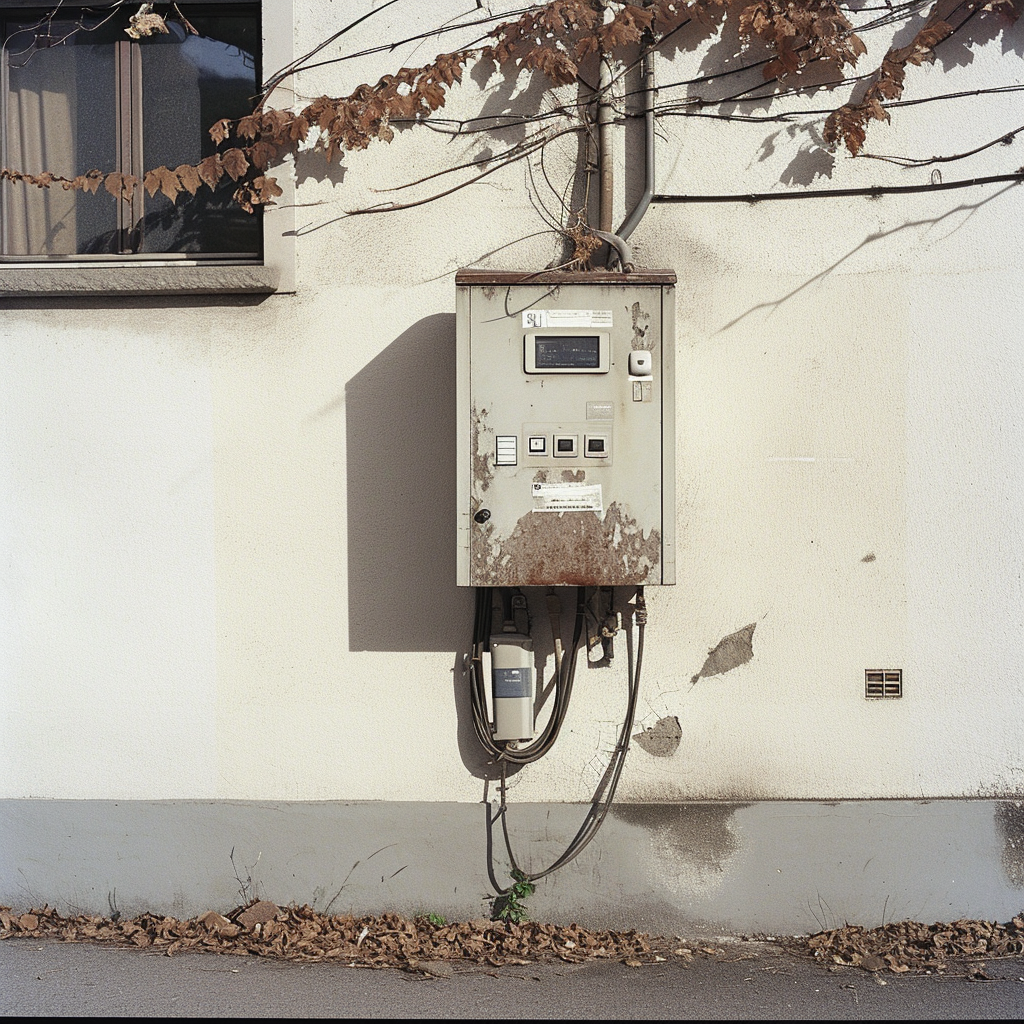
pixel 638 211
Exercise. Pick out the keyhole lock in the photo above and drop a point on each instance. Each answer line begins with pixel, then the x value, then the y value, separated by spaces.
pixel 482 516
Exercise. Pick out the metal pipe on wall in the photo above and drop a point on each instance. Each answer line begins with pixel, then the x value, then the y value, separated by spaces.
pixel 604 137
pixel 638 211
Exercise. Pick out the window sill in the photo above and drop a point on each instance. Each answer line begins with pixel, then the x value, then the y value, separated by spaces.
pixel 30 281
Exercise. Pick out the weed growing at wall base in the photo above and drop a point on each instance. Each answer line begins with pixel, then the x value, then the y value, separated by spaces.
pixel 509 906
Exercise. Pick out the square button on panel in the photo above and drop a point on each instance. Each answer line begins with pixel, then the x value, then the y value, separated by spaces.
pixel 596 446
pixel 565 446
pixel 538 445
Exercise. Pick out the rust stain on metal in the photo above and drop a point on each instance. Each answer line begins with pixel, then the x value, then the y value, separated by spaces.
pixel 571 549
pixel 574 476
pixel 640 328
pixel 489 291
pixel 730 652
pixel 482 468
pixel 541 476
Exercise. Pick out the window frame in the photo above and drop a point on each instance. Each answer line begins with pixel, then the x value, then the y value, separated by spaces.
pixel 171 273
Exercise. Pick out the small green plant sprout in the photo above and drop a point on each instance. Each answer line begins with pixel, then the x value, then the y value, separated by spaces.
pixel 509 906
pixel 437 920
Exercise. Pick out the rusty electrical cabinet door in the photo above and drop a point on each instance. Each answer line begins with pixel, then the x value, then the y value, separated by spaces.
pixel 566 428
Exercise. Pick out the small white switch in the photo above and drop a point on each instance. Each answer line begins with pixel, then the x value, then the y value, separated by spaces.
pixel 538 445
pixel 505 450
pixel 640 363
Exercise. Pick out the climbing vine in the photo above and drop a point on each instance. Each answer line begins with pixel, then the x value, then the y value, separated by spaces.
pixel 555 39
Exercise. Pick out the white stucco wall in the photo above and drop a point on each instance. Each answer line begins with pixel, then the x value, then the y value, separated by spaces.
pixel 227 528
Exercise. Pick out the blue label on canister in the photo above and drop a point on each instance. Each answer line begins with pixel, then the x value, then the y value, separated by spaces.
pixel 512 682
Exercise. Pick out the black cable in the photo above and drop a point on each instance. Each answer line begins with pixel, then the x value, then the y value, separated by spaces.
pixel 605 792
pixel 871 191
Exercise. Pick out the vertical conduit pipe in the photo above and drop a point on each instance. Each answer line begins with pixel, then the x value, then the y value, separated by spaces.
pixel 638 211
pixel 604 139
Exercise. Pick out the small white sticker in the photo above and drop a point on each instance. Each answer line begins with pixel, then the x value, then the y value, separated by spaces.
pixel 567 497
pixel 539 319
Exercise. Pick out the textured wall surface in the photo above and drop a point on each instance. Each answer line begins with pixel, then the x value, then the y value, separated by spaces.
pixel 227 522
pixel 782 867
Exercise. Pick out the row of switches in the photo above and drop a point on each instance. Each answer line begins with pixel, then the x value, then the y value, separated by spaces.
pixel 564 446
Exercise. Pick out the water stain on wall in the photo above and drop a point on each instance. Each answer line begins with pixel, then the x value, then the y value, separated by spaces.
pixel 1010 823
pixel 693 843
pixel 730 652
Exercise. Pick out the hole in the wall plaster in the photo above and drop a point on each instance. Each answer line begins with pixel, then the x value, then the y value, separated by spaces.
pixel 731 651
pixel 662 738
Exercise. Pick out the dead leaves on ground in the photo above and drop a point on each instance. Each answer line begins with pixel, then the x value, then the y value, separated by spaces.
pixel 910 946
pixel 300 933
pixel 390 940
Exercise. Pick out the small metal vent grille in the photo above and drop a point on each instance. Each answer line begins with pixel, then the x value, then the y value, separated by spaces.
pixel 880 682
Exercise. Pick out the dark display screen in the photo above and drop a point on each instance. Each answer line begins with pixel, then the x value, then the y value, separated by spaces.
pixel 567 352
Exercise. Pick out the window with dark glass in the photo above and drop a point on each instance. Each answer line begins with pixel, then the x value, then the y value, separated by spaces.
pixel 79 94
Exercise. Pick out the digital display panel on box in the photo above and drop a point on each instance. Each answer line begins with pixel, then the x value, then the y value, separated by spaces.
pixel 567 352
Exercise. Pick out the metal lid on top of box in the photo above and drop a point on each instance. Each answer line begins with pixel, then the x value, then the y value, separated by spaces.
pixel 657 277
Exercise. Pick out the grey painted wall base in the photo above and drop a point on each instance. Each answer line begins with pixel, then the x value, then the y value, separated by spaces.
pixel 695 869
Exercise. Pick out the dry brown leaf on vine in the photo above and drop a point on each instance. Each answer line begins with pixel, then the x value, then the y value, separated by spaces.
pixel 121 186
pixel 298 129
pixel 626 27
pixel 877 111
pixel 188 175
pixel 787 60
pixel 43 180
pixel 267 189
pixel 162 179
pixel 244 196
pixel 261 154
pixel 146 23
pixel 670 14
pixel 449 66
pixel 320 112
pixel 249 126
pixel 210 170
pixel 273 124
pixel 91 180
pixel 220 130
pixel 558 66
pixel 235 163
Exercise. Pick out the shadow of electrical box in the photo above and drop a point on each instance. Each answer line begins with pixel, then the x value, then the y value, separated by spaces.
pixel 400 429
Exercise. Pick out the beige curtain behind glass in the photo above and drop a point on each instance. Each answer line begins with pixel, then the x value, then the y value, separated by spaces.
pixel 41 126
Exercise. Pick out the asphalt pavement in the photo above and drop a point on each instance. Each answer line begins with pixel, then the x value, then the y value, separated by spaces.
pixel 749 981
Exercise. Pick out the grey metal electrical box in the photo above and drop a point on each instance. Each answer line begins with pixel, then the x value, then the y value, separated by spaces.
pixel 566 427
